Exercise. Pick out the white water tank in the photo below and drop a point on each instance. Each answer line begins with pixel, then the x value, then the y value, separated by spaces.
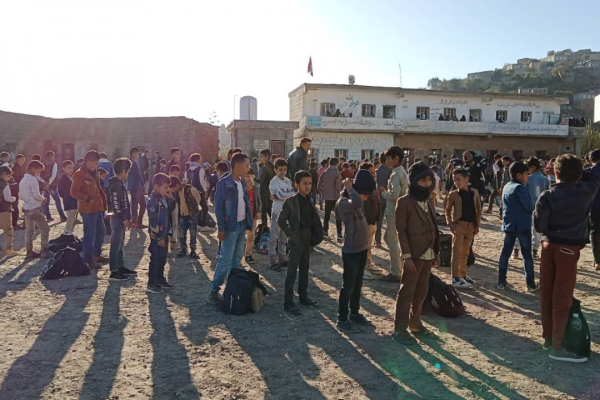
pixel 248 108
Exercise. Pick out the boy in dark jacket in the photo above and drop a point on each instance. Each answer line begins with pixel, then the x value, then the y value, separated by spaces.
pixel 299 220
pixel 120 219
pixel 135 185
pixel 419 240
pixel 187 198
pixel 64 191
pixel 517 208
pixel 350 210
pixel 595 214
pixel 160 205
pixel 565 231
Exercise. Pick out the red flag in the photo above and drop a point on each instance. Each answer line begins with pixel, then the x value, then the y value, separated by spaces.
pixel 310 70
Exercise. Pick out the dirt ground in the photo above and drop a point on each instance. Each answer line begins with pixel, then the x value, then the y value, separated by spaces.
pixel 88 338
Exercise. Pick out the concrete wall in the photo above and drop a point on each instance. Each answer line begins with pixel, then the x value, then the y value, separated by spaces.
pixel 296 105
pixel 29 134
pixel 349 100
pixel 254 136
pixel 324 144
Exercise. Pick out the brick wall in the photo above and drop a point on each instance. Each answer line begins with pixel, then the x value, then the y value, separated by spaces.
pixel 30 134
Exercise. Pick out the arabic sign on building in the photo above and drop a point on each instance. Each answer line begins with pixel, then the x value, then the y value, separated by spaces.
pixel 424 126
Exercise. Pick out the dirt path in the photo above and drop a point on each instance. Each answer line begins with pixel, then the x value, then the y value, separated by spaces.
pixel 86 338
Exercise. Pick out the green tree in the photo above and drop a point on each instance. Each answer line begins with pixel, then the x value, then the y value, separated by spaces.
pixel 592 140
pixel 433 82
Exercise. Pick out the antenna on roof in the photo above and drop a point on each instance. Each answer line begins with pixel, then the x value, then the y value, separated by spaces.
pixel 400 68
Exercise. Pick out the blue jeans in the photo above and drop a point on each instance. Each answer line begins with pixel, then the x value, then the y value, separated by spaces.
pixel 158 260
pixel 57 201
pixel 232 252
pixel 507 249
pixel 117 239
pixel 93 235
pixel 187 224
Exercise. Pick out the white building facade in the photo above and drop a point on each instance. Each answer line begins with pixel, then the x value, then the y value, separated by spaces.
pixel 357 122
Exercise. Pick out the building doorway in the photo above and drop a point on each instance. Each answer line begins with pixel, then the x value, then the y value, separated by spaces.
pixel 278 147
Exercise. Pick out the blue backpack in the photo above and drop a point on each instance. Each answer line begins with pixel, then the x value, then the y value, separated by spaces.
pixel 263 244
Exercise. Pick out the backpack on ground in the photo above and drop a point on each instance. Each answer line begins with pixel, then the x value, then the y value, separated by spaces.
pixel 577 333
pixel 263 244
pixel 66 262
pixel 64 241
pixel 238 293
pixel 445 250
pixel 444 299
pixel 440 219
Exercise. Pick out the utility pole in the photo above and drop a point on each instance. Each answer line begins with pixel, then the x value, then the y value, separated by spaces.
pixel 400 69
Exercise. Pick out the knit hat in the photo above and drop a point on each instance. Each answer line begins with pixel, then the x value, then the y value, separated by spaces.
pixel 418 171
pixel 364 183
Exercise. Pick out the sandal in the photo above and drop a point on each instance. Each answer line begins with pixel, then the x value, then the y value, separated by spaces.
pixel 309 302
pixel 293 309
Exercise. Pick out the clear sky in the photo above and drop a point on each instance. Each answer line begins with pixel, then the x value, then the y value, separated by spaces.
pixel 149 58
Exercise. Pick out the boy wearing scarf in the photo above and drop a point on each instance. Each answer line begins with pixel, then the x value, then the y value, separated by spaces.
pixel 419 240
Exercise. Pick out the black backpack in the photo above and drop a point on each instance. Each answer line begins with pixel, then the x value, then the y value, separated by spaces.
pixel 238 293
pixel 63 241
pixel 66 262
pixel 444 299
pixel 445 250
pixel 577 341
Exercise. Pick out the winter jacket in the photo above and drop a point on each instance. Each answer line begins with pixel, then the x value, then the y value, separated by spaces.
pixel 226 205
pixel 397 186
pixel 160 225
pixel 371 209
pixel 135 179
pixel 330 184
pixel 6 198
pixel 417 229
pixel 289 218
pixel 29 192
pixel 536 184
pixel 453 207
pixel 517 207
pixel 349 208
pixel 188 200
pixel 108 166
pixel 562 212
pixel 199 177
pixel 64 191
pixel 282 189
pixel 297 160
pixel 87 190
pixel 118 203
pixel 267 172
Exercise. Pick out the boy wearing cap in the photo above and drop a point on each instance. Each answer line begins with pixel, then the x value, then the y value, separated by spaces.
pixel 350 210
pixel 419 240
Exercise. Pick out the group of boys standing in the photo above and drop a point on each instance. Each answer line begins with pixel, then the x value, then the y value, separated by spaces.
pixel 412 236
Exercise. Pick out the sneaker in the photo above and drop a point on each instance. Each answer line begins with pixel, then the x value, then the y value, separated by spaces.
pixel 182 253
pixel 117 276
pixel 101 259
pixel 127 271
pixel 469 280
pixel 501 286
pixel 165 284
pixel 535 254
pixel 340 238
pixel 565 355
pixel 547 344
pixel 325 235
pixel 515 255
pixel 250 260
pixel 460 283
pixel 152 288
pixel 347 326
pixel 213 298
pixel 360 319
pixel 597 267
pixel 194 255
pixel 32 254
pixel 533 288
pixel 45 254
pixel 206 229
pixel 378 246
pixel 63 219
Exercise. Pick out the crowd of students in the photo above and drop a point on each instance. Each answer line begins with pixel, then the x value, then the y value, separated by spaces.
pixel 283 193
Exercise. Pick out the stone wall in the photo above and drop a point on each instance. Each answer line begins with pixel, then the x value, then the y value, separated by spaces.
pixel 72 137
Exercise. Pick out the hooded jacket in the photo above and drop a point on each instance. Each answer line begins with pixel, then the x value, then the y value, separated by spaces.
pixel 108 166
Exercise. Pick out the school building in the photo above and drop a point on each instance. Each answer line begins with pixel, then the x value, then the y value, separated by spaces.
pixel 70 138
pixel 357 122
